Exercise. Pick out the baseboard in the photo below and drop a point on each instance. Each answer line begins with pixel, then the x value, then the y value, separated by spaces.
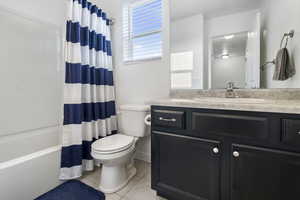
pixel 143 156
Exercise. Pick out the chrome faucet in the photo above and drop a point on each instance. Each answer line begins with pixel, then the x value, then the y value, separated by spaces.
pixel 230 90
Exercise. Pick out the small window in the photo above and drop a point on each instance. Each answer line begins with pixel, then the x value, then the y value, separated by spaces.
pixel 182 66
pixel 142 30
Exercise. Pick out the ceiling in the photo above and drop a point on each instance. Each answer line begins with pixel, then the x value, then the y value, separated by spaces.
pixel 235 47
pixel 211 8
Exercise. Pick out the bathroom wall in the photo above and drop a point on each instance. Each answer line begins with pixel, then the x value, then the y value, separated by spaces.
pixel 228 24
pixel 140 82
pixel 31 98
pixel 280 16
pixel 187 39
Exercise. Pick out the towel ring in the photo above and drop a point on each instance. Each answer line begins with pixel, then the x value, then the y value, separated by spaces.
pixel 286 36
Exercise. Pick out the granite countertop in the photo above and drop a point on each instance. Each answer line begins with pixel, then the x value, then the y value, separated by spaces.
pixel 240 104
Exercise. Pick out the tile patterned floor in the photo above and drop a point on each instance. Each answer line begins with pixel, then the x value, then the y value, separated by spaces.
pixel 137 189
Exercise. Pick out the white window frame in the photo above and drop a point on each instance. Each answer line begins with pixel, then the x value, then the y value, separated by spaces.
pixel 128 56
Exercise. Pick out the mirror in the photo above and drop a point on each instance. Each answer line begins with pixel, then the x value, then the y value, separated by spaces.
pixel 216 44
pixel 233 60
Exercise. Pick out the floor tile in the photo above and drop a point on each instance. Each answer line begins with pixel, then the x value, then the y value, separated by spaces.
pixel 141 191
pixel 141 168
pixel 92 178
pixel 135 180
pixel 89 182
pixel 148 175
pixel 112 197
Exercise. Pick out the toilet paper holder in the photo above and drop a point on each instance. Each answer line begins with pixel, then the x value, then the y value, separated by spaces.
pixel 148 120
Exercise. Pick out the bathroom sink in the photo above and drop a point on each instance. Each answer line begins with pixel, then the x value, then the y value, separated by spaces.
pixel 231 100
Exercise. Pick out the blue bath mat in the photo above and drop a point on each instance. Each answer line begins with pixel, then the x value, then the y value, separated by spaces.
pixel 73 190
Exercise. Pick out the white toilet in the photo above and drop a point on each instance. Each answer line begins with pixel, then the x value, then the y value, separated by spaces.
pixel 116 152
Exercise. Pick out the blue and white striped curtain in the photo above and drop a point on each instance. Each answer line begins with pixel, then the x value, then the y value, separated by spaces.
pixel 89 99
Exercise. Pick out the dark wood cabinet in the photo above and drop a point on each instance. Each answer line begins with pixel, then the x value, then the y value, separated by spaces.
pixel 205 154
pixel 291 132
pixel 264 174
pixel 185 167
pixel 169 119
pixel 231 125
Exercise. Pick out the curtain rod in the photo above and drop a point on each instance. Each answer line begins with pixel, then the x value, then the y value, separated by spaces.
pixel 111 20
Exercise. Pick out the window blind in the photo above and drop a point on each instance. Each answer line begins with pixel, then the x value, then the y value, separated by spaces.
pixel 142 30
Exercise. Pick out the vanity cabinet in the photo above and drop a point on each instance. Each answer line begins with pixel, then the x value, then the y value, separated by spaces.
pixel 259 173
pixel 185 167
pixel 203 154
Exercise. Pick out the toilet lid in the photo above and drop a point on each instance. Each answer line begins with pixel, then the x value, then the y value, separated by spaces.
pixel 114 143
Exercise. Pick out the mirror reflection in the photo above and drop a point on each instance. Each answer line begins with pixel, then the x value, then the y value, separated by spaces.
pixel 233 60
pixel 243 44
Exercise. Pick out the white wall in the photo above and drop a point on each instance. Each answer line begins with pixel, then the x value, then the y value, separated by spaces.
pixel 29 134
pixel 281 16
pixel 228 24
pixel 186 36
pixel 141 82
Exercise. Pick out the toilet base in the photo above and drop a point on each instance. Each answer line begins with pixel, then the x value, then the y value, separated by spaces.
pixel 114 178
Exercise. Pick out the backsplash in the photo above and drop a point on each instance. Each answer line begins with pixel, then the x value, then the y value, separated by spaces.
pixel 276 94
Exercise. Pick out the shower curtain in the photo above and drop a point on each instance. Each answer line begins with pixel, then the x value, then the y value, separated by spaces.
pixel 89 99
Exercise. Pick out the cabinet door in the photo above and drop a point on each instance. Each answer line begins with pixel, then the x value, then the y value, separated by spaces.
pixel 264 174
pixel 185 168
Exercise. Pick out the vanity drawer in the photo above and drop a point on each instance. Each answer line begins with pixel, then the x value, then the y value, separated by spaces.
pixel 291 131
pixel 168 119
pixel 242 126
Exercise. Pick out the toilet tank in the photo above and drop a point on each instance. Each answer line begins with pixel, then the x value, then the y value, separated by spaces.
pixel 132 120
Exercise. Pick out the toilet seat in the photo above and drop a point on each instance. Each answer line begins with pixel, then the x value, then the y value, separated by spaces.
pixel 113 144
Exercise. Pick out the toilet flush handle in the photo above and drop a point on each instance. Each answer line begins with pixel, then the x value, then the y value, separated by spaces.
pixel 148 120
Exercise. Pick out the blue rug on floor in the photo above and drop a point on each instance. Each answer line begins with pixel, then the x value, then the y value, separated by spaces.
pixel 73 190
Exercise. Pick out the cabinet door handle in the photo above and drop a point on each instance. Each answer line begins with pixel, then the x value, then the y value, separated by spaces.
pixel 298 132
pixel 216 150
pixel 236 154
pixel 167 120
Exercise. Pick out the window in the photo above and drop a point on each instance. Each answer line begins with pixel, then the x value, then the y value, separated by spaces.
pixel 182 65
pixel 142 30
